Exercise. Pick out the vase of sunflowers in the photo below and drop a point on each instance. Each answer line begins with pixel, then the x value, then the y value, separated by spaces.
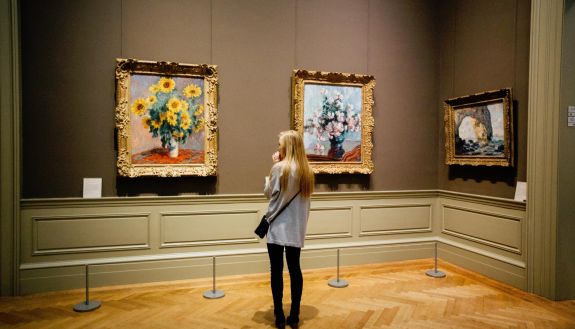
pixel 173 148
pixel 169 114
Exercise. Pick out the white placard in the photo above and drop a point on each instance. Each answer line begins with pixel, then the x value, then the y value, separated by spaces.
pixel 571 116
pixel 92 187
pixel 521 191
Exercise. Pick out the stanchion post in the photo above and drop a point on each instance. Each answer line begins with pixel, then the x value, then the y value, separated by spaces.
pixel 88 305
pixel 213 294
pixel 435 273
pixel 337 283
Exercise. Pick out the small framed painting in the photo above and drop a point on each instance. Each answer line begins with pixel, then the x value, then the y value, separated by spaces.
pixel 333 111
pixel 166 116
pixel 479 129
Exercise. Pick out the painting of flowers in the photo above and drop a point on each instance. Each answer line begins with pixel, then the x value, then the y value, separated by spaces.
pixel 333 112
pixel 479 129
pixel 165 117
pixel 332 117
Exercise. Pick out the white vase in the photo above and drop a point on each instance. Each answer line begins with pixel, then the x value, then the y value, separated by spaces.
pixel 173 148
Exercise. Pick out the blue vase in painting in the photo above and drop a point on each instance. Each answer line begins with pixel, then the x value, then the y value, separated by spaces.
pixel 336 150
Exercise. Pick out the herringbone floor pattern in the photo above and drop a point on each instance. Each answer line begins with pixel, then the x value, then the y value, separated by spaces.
pixel 392 295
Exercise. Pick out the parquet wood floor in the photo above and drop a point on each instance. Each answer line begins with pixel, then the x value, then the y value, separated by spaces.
pixel 391 295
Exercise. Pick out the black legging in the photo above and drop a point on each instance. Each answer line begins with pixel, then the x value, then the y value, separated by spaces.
pixel 275 253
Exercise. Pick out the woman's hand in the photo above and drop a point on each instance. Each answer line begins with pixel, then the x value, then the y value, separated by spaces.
pixel 276 157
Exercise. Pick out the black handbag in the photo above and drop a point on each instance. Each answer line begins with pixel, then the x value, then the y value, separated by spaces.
pixel 262 228
pixel 264 224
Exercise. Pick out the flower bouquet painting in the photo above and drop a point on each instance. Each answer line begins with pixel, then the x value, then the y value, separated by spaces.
pixel 332 126
pixel 333 111
pixel 166 119
pixel 167 116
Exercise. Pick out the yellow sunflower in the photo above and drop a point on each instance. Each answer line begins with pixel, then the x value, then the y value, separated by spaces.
pixel 154 89
pixel 192 91
pixel 199 110
pixel 185 105
pixel 152 100
pixel 146 122
pixel 166 85
pixel 172 118
pixel 156 124
pixel 185 123
pixel 174 105
pixel 200 125
pixel 185 115
pixel 139 106
pixel 163 117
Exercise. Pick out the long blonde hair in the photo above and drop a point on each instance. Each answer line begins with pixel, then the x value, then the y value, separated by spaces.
pixel 292 152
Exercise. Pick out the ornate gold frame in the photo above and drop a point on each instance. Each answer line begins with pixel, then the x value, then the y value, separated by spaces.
pixel 124 69
pixel 367 83
pixel 496 96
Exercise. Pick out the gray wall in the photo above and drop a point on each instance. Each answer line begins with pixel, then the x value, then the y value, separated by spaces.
pixel 68 53
pixel 566 164
pixel 420 51
pixel 485 46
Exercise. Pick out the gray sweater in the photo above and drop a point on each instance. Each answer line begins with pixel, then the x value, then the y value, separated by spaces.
pixel 288 229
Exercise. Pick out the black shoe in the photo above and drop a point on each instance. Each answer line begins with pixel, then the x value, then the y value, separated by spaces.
pixel 280 320
pixel 292 322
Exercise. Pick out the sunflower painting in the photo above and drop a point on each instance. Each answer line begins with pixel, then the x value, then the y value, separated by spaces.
pixel 166 118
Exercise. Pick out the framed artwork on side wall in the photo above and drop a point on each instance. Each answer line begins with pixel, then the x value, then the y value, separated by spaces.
pixel 479 129
pixel 333 111
pixel 166 118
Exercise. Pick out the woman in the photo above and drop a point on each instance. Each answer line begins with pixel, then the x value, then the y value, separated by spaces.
pixel 290 183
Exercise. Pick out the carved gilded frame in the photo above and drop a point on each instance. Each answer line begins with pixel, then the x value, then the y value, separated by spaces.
pixel 484 148
pixel 361 164
pixel 125 69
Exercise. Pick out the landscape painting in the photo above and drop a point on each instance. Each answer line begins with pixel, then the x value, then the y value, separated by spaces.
pixel 478 129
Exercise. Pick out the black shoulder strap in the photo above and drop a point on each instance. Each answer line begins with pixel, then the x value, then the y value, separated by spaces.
pixel 285 206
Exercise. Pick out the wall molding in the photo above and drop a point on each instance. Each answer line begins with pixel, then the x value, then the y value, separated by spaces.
pixel 347 233
pixel 206 241
pixel 406 206
pixel 400 226
pixel 482 199
pixel 255 251
pixel 36 221
pixel 193 265
pixel 487 242
pixel 542 143
pixel 10 92
pixel 257 198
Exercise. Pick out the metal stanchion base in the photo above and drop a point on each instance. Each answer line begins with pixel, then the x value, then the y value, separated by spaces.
pixel 336 283
pixel 213 294
pixel 83 307
pixel 435 274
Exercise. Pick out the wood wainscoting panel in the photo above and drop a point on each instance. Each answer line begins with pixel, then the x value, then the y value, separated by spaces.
pixel 90 233
pixel 393 219
pixel 181 229
pixel 489 228
pixel 329 222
